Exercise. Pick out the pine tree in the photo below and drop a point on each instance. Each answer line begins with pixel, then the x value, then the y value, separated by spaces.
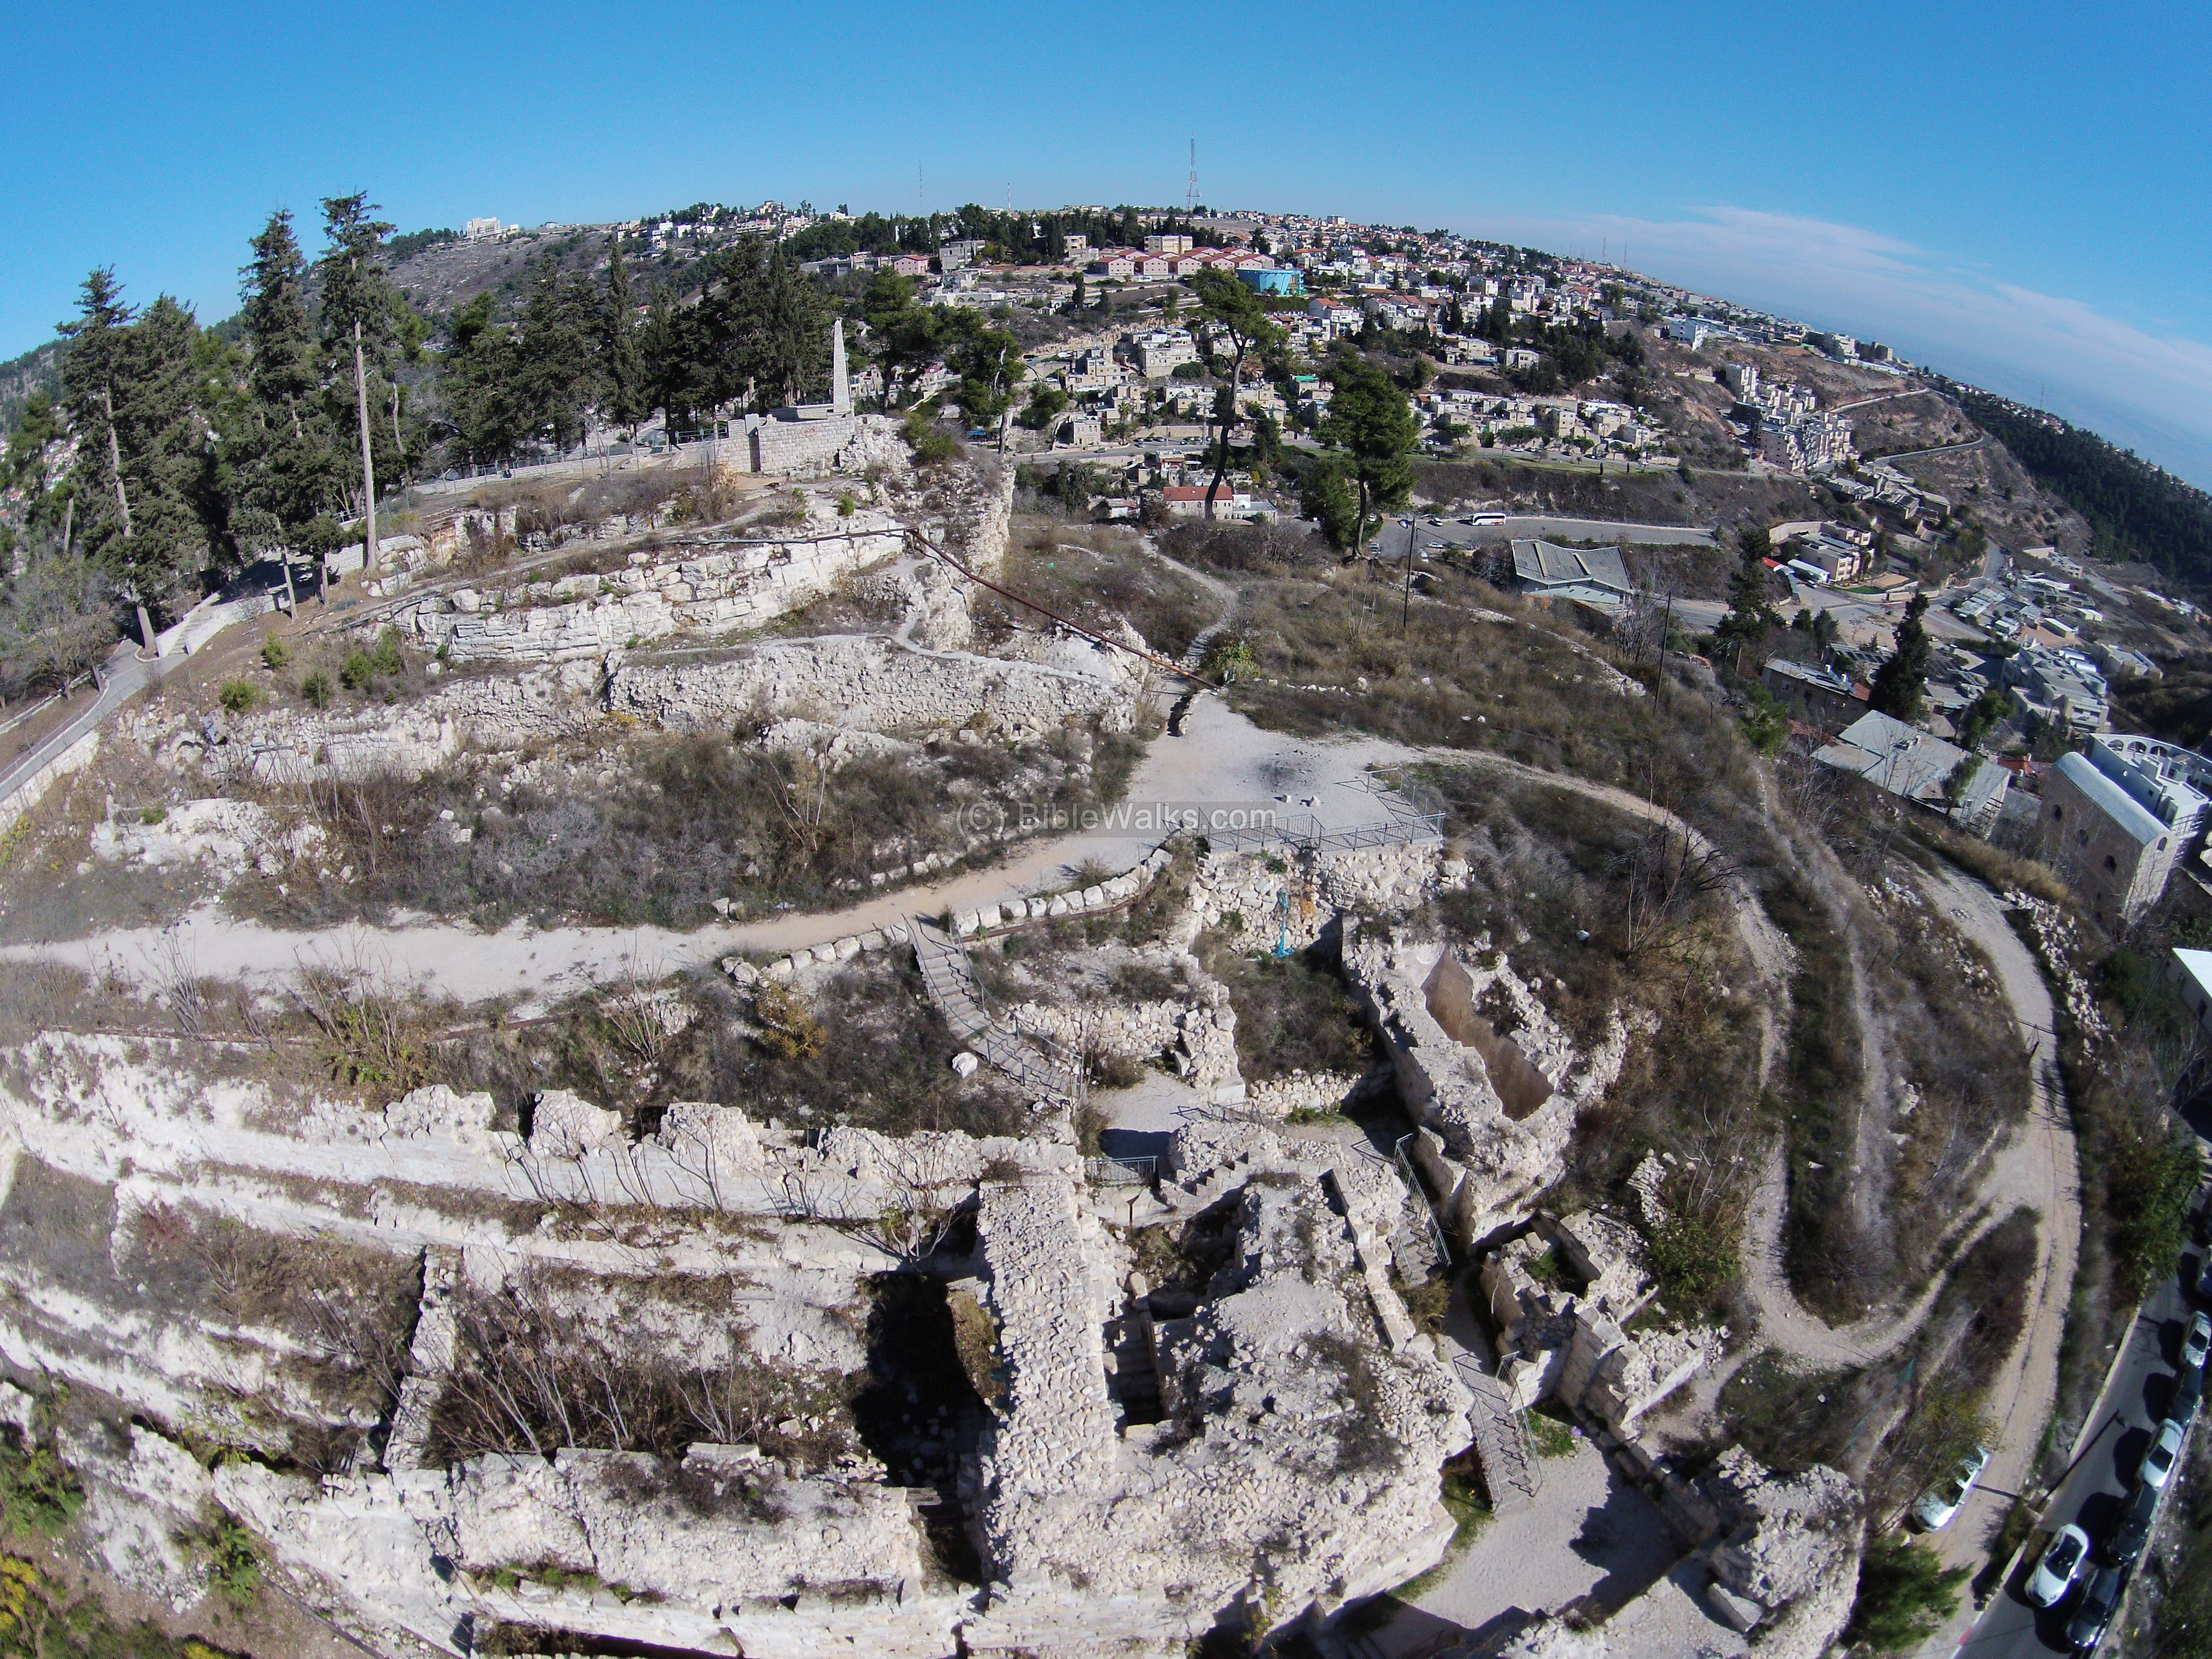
pixel 622 362
pixel 287 468
pixel 360 313
pixel 1371 422
pixel 554 358
pixel 129 387
pixel 1900 685
pixel 89 372
pixel 1751 609
pixel 1241 324
pixel 281 373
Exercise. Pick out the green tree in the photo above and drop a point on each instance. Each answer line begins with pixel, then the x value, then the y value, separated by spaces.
pixel 359 316
pixel 1983 712
pixel 1900 684
pixel 90 369
pixel 286 469
pixel 1327 497
pixel 553 365
pixel 1242 329
pixel 130 386
pixel 1751 610
pixel 902 335
pixel 477 382
pixel 989 363
pixel 1371 423
pixel 1905 1592
pixel 622 389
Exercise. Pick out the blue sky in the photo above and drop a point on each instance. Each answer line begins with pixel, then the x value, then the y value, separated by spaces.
pixel 2017 194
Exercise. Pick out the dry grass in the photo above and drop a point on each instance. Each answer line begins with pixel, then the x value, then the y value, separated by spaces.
pixel 655 829
pixel 1096 575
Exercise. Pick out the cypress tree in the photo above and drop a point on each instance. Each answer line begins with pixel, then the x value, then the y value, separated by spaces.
pixel 622 363
pixel 1900 685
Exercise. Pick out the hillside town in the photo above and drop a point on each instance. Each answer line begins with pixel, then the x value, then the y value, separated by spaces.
pixel 1107 931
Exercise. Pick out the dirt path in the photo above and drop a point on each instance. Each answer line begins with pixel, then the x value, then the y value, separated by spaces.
pixel 2038 1168
pixel 1221 758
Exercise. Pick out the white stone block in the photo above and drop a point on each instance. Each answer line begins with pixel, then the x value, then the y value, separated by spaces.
pixel 1058 905
pixel 1094 897
pixel 847 948
pixel 872 941
pixel 965 1063
pixel 824 953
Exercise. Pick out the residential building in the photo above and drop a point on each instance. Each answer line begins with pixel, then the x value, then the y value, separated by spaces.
pixel 1919 767
pixel 1115 263
pixel 2116 827
pixel 1692 332
pixel 1826 699
pixel 476 229
pixel 1162 351
pixel 951 256
pixel 2057 684
pixel 1188 500
pixel 1169 244
pixel 1741 379
pixel 1074 249
pixel 911 265
pixel 1595 576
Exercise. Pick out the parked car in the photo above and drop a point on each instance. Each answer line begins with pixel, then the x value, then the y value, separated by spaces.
pixel 2128 1538
pixel 2188 1395
pixel 2196 1344
pixel 2095 1615
pixel 2165 1449
pixel 1934 1509
pixel 2054 1575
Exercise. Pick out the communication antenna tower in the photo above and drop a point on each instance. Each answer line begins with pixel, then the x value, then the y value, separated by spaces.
pixel 1190 194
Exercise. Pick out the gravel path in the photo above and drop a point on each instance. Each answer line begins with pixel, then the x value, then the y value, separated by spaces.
pixel 2037 1167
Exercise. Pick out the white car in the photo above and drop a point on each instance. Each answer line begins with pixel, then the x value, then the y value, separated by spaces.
pixel 2054 1574
pixel 1934 1512
pixel 2165 1451
pixel 2198 1343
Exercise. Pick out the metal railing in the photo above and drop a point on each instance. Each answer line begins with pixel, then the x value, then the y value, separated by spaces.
pixel 1121 1171
pixel 1411 1175
pixel 1307 835
pixel 1510 1469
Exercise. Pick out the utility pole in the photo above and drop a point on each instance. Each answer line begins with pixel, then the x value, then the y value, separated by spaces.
pixel 1406 609
pixel 1190 192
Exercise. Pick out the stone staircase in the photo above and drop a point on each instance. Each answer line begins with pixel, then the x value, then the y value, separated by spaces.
pixel 951 982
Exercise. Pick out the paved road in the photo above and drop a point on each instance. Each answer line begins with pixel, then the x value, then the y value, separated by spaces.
pixel 1922 454
pixel 2103 1472
pixel 1390 542
pixel 126 675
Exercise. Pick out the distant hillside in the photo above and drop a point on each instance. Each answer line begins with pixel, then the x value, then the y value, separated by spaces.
pixel 39 370
pixel 2137 512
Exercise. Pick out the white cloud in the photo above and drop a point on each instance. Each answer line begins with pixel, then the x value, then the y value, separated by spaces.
pixel 2150 392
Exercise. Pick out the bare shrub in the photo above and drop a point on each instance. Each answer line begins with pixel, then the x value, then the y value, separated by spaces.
pixel 527 1377
pixel 374 1033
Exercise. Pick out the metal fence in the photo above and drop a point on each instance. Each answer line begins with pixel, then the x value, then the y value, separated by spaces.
pixel 1307 835
pixel 1121 1171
